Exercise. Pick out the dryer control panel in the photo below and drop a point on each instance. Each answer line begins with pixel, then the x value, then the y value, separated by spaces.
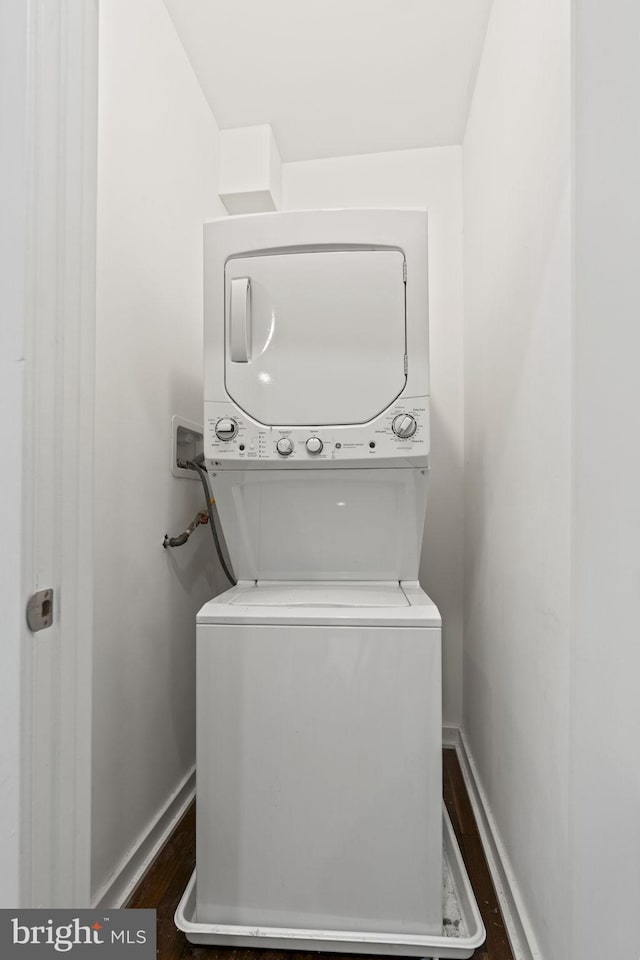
pixel 399 436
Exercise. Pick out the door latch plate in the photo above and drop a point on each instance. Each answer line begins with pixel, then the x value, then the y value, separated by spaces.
pixel 40 610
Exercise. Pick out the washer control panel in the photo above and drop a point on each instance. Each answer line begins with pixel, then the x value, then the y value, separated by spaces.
pixel 233 439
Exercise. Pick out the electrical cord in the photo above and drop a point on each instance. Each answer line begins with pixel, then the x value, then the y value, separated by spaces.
pixel 204 480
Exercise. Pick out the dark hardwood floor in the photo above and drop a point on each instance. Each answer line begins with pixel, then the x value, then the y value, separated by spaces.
pixel 163 885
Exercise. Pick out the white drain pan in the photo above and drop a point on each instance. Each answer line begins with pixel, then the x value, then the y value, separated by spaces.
pixel 462 924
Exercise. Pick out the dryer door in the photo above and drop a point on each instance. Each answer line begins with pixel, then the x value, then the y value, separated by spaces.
pixel 315 337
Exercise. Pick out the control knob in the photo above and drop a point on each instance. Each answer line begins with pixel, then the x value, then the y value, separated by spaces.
pixel 314 445
pixel 226 429
pixel 284 446
pixel 404 425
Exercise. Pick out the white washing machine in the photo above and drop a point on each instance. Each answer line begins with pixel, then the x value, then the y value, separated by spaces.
pixel 319 798
pixel 319 757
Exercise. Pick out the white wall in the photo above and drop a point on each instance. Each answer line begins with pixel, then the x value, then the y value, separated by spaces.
pixel 13 252
pixel 517 332
pixel 157 184
pixel 605 772
pixel 429 178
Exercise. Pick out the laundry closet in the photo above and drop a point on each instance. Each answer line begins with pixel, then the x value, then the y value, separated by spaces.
pixel 479 116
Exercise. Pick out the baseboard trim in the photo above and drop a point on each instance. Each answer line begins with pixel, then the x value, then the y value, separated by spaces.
pixel 120 885
pixel 516 919
pixel 450 735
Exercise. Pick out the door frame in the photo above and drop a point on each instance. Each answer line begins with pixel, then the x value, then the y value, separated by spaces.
pixel 57 517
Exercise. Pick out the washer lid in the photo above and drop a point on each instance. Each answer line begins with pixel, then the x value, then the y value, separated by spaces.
pixel 266 593
pixel 374 603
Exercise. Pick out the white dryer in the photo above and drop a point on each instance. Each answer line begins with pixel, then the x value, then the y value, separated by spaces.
pixel 319 799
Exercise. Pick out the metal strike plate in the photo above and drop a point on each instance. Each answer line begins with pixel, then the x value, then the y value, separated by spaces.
pixel 40 610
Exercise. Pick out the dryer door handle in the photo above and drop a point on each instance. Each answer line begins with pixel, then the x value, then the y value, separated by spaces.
pixel 241 319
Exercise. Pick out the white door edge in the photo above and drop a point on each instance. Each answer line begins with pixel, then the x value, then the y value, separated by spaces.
pixel 57 543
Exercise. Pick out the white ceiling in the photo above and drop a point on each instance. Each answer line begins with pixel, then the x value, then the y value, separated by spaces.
pixel 337 77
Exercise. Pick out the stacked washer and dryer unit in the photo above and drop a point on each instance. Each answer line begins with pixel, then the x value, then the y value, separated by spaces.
pixel 319 674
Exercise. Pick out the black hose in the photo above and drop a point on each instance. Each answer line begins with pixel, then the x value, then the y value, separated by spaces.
pixel 202 473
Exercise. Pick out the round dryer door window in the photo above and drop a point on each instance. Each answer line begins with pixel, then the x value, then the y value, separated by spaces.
pixel 315 337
